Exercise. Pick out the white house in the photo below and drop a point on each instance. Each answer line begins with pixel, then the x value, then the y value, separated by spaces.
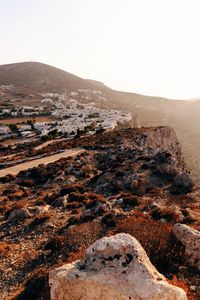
pixel 4 130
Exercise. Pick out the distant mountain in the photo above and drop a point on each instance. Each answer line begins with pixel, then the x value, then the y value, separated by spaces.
pixel 38 77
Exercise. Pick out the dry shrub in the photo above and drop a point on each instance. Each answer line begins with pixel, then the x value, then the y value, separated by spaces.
pixel 76 255
pixel 17 195
pixel 80 237
pixel 50 198
pixel 55 244
pixel 27 182
pixel 87 169
pixel 109 220
pixel 75 197
pixel 183 285
pixel 129 200
pixel 179 282
pixel 89 203
pixel 102 210
pixel 69 188
pixel 40 202
pixel 40 219
pixel 5 207
pixel 4 248
pixel 170 213
pixel 36 288
pixel 75 219
pixel 95 197
pixel 155 191
pixel 73 205
pixel 20 204
pixel 156 238
pixel 183 199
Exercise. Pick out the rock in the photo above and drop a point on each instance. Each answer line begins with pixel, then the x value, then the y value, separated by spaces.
pixel 19 213
pixel 60 202
pixel 183 182
pixel 167 170
pixel 190 238
pixel 25 212
pixel 36 210
pixel 70 179
pixel 114 268
pixel 131 181
pixel 191 215
pixel 59 179
pixel 163 157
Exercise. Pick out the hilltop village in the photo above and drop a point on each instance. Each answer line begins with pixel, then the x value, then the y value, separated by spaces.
pixel 69 115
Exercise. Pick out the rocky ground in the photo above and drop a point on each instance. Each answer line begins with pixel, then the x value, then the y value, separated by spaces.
pixel 131 181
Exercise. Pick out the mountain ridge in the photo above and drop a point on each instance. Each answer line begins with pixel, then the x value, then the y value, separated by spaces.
pixel 43 77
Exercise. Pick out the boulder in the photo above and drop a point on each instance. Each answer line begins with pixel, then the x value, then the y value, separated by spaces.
pixel 19 214
pixel 114 268
pixel 190 238
pixel 183 182
pixel 163 157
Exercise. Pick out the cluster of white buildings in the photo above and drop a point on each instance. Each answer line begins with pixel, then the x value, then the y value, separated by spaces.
pixel 73 113
pixel 74 116
pixel 24 111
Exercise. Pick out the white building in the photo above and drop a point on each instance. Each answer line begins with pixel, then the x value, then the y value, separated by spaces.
pixel 4 130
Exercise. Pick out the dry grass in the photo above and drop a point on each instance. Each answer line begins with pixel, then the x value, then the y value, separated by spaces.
pixel 4 249
pixel 169 213
pixel 183 285
pixel 79 237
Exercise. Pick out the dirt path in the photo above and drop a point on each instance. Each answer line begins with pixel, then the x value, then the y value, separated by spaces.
pixel 35 163
pixel 48 143
pixel 25 119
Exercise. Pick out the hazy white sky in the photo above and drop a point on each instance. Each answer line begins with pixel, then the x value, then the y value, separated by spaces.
pixel 144 46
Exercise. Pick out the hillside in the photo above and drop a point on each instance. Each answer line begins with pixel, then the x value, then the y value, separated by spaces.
pixel 38 77
pixel 126 180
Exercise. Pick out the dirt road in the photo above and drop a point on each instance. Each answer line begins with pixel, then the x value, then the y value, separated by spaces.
pixel 35 163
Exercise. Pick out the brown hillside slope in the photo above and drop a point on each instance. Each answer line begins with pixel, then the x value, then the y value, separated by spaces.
pixel 43 78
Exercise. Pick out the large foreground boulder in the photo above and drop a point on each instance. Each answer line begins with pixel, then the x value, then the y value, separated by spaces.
pixel 114 268
pixel 190 238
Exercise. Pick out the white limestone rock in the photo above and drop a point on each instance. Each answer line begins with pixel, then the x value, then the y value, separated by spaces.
pixel 114 268
pixel 190 238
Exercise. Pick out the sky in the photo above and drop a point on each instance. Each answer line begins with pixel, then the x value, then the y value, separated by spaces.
pixel 149 47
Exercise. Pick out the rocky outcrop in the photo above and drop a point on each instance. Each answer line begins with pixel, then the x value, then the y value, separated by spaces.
pixel 190 238
pixel 115 267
